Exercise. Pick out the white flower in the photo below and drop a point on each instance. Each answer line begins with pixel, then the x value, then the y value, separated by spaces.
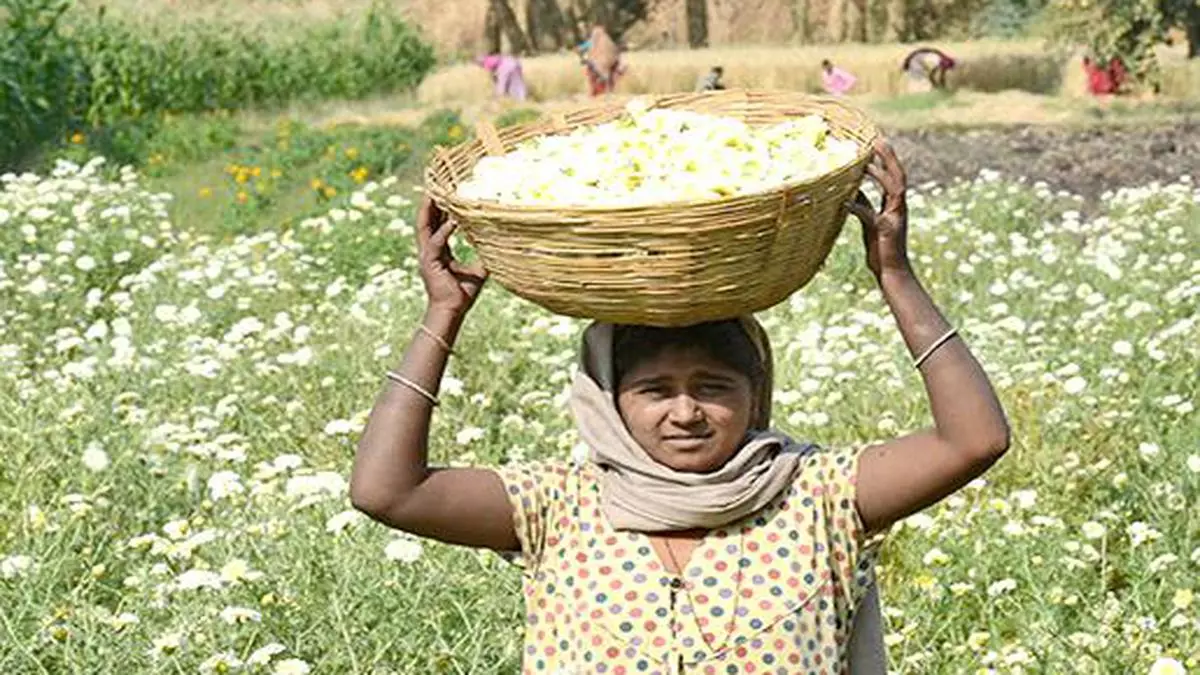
pixel 935 556
pixel 340 428
pixel 1093 530
pixel 263 655
pixel 325 484
pixel 85 263
pixel 1193 463
pixel 655 156
pixel 237 571
pixel 1001 587
pixel 94 457
pixel 224 484
pixel 468 435
pixel 194 579
pixel 1075 385
pixel 292 667
pixel 220 664
pixel 1148 450
pixel 124 620
pixel 14 566
pixel 1166 665
pixel 340 522
pixel 403 549
pixel 1122 348
pixel 166 644
pixel 1140 533
pixel 239 615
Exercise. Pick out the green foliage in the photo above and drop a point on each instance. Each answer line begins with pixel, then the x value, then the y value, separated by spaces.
pixel 516 116
pixel 137 69
pixel 1122 29
pixel 1006 18
pixel 64 70
pixel 41 91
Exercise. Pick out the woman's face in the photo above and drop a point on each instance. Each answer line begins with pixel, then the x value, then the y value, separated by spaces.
pixel 689 411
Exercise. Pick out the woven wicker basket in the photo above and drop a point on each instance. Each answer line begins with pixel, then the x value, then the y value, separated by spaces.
pixel 663 265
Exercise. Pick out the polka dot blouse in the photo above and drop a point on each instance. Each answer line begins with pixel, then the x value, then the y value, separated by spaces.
pixel 772 593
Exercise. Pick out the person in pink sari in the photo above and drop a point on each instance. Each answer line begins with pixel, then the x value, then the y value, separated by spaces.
pixel 835 80
pixel 506 74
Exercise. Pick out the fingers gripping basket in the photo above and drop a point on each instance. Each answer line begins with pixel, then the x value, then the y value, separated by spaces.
pixel 670 265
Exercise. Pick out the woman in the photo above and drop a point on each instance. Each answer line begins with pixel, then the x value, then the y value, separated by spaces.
pixel 506 75
pixel 694 539
pixel 601 60
pixel 712 80
pixel 927 65
pixel 1104 81
pixel 834 80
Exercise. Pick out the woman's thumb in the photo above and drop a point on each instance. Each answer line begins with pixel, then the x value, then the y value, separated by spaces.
pixel 862 209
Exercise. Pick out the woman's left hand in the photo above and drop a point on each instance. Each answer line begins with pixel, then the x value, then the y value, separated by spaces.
pixel 885 231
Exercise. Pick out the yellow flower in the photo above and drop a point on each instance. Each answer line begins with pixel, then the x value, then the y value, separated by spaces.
pixel 205 192
pixel 351 153
pixel 329 191
pixel 242 197
pixel 455 132
pixel 316 183
pixel 360 174
pixel 256 171
pixel 78 138
pixel 1182 599
pixel 241 177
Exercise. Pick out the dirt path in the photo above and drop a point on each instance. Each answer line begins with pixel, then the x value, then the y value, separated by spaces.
pixel 1086 162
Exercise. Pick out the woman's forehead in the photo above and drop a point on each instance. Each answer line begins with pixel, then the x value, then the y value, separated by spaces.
pixel 681 360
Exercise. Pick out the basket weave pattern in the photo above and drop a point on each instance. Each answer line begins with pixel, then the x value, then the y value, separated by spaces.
pixel 663 265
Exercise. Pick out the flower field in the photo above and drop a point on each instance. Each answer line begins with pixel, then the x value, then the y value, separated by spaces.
pixel 179 402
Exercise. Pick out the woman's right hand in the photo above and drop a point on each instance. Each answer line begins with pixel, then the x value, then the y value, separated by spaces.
pixel 450 286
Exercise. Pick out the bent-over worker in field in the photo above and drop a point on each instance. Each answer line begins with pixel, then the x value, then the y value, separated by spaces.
pixel 695 538
pixel 927 68
pixel 711 81
pixel 507 76
pixel 835 80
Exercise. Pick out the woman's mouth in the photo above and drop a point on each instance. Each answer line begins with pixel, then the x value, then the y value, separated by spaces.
pixel 687 441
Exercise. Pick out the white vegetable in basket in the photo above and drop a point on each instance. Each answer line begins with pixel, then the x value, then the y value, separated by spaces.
pixel 658 156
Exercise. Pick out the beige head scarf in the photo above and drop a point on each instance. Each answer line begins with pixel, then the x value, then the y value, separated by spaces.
pixel 638 493
pixel 604 52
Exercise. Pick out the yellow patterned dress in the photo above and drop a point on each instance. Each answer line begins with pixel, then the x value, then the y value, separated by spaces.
pixel 772 593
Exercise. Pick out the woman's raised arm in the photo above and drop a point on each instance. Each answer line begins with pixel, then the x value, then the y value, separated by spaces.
pixel 970 431
pixel 391 480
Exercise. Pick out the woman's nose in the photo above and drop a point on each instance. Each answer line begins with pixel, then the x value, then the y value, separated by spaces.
pixel 684 410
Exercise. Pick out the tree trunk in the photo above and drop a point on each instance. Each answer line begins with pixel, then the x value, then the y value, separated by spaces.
pixel 550 18
pixel 492 40
pixel 512 30
pixel 1192 28
pixel 897 21
pixel 697 23
pixel 533 27
pixel 836 24
pixel 801 29
pixel 856 21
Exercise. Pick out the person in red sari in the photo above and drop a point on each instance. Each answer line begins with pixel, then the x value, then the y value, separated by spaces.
pixel 1107 80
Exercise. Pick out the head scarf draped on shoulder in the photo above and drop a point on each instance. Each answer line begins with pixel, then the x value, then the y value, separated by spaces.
pixel 638 493
pixel 604 52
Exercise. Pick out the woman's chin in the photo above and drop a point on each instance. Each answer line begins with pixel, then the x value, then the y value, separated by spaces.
pixel 700 460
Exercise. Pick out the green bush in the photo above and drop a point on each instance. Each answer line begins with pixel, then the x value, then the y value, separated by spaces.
pixel 41 92
pixel 61 70
pixel 137 69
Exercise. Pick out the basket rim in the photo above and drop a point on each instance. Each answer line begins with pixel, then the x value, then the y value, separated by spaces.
pixel 865 151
